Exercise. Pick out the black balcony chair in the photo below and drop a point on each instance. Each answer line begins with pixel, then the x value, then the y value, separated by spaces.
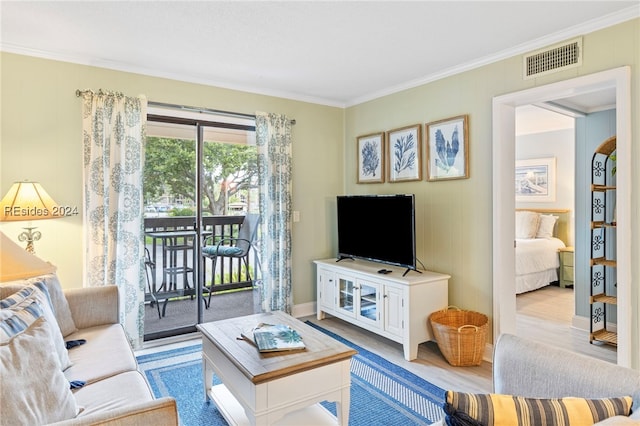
pixel 231 247
pixel 150 269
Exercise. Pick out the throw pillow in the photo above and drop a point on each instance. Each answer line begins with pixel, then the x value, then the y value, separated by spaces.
pixel 38 292
pixel 58 300
pixel 546 226
pixel 34 390
pixel 527 224
pixel 465 409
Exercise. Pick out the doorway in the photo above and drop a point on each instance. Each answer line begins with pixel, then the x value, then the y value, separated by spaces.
pixel 504 303
pixel 200 182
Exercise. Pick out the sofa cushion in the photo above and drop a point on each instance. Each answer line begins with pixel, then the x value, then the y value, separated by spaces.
pixel 112 393
pixel 58 301
pixel 34 389
pixel 38 292
pixel 483 409
pixel 105 353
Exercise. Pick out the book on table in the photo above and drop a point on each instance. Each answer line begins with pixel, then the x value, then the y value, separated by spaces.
pixel 274 338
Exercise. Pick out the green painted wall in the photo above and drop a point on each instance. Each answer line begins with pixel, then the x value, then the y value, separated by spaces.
pixel 454 218
pixel 41 141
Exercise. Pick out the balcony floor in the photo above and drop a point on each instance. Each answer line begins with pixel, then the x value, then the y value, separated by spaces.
pixel 183 313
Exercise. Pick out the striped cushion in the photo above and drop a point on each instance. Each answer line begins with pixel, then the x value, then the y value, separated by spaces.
pixel 33 389
pixel 465 409
pixel 19 321
pixel 38 291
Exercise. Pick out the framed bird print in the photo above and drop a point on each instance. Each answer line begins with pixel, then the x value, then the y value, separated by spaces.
pixel 405 159
pixel 371 158
pixel 448 149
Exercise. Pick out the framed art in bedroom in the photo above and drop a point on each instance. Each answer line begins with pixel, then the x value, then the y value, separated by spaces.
pixel 371 158
pixel 536 180
pixel 448 149
pixel 405 156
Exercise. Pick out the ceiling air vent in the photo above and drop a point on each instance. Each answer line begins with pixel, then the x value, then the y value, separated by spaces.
pixel 553 59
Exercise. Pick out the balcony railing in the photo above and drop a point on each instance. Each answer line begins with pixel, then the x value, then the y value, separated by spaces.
pixel 170 243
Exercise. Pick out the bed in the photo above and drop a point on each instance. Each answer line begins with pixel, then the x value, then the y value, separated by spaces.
pixel 539 235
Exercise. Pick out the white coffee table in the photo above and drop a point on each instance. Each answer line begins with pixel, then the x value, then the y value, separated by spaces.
pixel 275 388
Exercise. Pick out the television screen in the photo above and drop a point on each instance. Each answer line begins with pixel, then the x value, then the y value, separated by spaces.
pixel 380 228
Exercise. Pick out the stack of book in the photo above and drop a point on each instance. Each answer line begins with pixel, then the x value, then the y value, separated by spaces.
pixel 274 338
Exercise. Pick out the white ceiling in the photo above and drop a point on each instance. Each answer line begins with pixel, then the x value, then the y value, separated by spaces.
pixel 334 53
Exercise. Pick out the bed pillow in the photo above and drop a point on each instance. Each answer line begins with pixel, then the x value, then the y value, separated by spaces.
pixel 38 292
pixel 34 389
pixel 527 224
pixel 482 409
pixel 546 226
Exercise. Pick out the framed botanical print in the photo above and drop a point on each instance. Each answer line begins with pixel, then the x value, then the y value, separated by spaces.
pixel 371 158
pixel 448 149
pixel 405 153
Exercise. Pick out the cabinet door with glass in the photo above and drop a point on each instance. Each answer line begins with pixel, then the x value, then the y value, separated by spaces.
pixel 368 298
pixel 346 295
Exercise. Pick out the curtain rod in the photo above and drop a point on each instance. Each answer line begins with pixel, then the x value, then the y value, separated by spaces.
pixel 206 110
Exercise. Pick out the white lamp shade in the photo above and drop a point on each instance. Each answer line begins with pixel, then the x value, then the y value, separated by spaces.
pixel 16 263
pixel 27 201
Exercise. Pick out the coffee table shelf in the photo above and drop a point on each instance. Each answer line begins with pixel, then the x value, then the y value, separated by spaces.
pixel 275 388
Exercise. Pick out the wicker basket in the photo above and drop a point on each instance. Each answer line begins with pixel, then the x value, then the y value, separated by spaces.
pixel 461 335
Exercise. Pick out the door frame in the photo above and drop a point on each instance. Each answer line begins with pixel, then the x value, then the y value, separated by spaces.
pixel 503 156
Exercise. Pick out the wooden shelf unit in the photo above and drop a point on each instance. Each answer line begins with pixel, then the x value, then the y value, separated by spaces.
pixel 602 253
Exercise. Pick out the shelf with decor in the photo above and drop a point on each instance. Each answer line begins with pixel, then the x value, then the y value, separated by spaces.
pixel 603 299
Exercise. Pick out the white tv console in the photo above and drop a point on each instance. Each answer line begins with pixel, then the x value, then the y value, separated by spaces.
pixel 391 305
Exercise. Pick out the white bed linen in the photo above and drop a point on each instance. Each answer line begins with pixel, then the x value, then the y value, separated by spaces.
pixel 537 262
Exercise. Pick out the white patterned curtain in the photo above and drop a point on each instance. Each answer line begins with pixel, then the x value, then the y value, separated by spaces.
pixel 113 130
pixel 273 139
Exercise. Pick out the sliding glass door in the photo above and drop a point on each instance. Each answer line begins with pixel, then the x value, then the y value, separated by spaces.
pixel 199 183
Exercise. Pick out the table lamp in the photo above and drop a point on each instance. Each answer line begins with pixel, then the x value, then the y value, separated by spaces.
pixel 27 201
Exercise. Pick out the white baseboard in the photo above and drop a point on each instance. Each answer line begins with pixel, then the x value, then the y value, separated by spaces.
pixel 303 310
pixel 583 323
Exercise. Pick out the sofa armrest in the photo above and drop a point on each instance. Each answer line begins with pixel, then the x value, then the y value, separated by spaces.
pixel 92 306
pixel 531 369
pixel 159 412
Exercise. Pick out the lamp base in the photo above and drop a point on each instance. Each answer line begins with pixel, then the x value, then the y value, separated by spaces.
pixel 29 235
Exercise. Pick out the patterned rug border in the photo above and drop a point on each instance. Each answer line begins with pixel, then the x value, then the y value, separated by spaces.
pixel 401 390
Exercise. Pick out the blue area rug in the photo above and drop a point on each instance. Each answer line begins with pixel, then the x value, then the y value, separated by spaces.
pixel 382 393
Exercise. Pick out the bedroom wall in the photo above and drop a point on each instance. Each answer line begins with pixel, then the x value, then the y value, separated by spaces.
pixel 40 140
pixel 454 218
pixel 559 144
pixel 591 131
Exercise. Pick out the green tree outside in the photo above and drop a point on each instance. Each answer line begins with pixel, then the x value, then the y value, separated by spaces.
pixel 229 170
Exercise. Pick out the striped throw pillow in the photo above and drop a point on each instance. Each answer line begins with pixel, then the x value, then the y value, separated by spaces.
pixel 19 321
pixel 466 409
pixel 38 291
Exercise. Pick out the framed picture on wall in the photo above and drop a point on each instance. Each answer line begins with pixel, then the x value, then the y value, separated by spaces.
pixel 536 180
pixel 405 153
pixel 448 149
pixel 371 158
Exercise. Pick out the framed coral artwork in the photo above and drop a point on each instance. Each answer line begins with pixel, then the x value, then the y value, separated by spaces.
pixel 405 154
pixel 371 158
pixel 448 149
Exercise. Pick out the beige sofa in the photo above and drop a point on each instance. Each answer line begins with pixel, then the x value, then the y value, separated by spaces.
pixel 535 372
pixel 115 391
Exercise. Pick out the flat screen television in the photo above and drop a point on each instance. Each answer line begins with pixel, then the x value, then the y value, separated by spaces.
pixel 380 228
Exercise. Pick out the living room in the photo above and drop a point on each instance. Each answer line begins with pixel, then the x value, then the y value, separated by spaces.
pixel 42 134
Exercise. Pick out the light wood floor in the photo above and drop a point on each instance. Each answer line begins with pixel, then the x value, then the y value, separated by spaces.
pixel 543 315
pixel 546 315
